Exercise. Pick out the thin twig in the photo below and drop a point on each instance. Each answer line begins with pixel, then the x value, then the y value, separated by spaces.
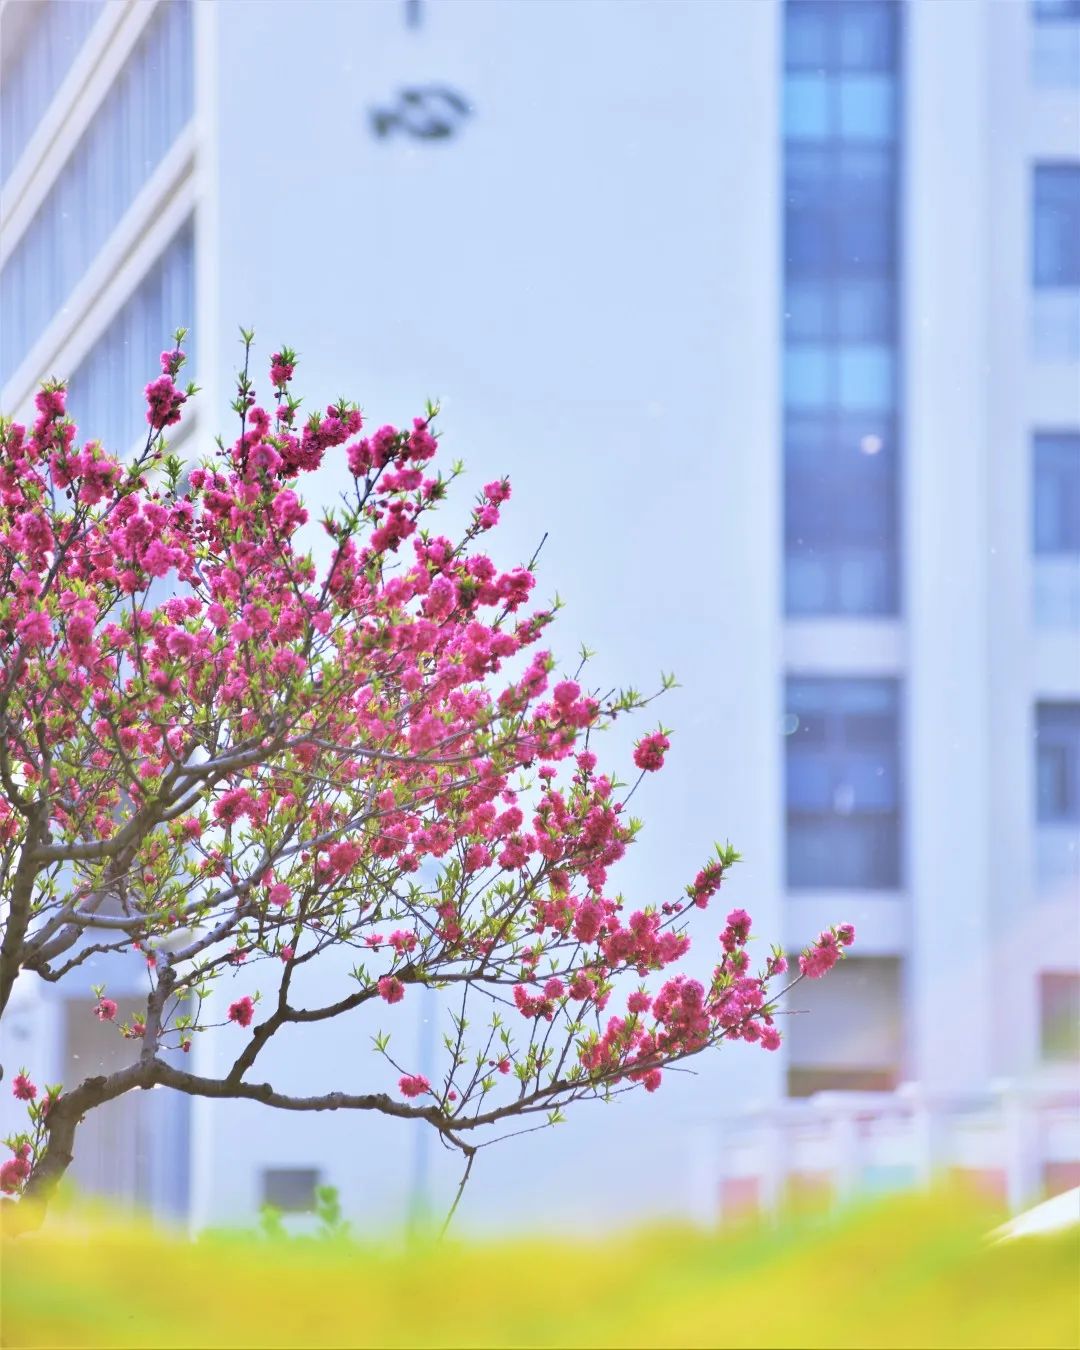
pixel 471 1154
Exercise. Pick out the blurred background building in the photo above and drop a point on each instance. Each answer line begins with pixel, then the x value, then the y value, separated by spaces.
pixel 772 312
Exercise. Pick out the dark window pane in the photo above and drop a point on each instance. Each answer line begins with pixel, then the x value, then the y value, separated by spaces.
pixel 806 35
pixel 1057 762
pixel 865 212
pixel 839 579
pixel 1056 225
pixel 867 34
pixel 843 783
pixel 840 515
pixel 865 309
pixel 809 312
pixel 290 1189
pixel 809 781
pixel 809 240
pixel 825 851
pixel 1056 497
pixel 809 225
pixel 1056 11
pixel 833 501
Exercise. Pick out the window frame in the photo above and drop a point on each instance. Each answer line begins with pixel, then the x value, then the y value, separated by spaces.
pixel 841 755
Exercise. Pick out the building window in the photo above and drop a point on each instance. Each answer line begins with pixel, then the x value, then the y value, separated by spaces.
pixel 841 326
pixel 846 1033
pixel 1059 1008
pixel 1055 44
pixel 290 1189
pixel 1057 763
pixel 1056 11
pixel 148 105
pixel 1056 498
pixel 104 394
pixel 39 40
pixel 1056 231
pixel 1056 529
pixel 843 784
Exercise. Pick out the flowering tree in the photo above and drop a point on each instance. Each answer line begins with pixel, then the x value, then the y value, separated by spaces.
pixel 214 756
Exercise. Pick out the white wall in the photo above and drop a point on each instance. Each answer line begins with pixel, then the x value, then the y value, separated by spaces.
pixel 587 277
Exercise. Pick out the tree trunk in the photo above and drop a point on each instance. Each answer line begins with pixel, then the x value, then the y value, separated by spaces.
pixel 28 1212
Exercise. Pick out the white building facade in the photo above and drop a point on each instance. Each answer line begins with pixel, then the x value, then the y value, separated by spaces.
pixel 772 313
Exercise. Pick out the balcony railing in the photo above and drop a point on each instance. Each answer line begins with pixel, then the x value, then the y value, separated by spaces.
pixel 1017 1143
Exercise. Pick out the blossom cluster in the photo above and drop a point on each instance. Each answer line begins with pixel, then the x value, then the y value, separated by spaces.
pixel 17 1170
pixel 285 760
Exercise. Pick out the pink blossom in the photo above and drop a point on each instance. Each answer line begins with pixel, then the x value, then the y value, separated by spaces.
pixel 413 1085
pixel 281 370
pixel 22 1087
pixel 232 805
pixel 242 1011
pixel 164 402
pixel 158 559
pixel 105 1010
pixel 35 629
pixel 820 958
pixel 477 857
pixel 15 1171
pixel 171 362
pixel 344 856
pixel 180 644
pixel 391 989
pixel 650 750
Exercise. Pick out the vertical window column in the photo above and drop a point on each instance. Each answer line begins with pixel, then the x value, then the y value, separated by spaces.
pixel 841 323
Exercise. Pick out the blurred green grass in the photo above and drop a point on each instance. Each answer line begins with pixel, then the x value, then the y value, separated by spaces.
pixel 908 1271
